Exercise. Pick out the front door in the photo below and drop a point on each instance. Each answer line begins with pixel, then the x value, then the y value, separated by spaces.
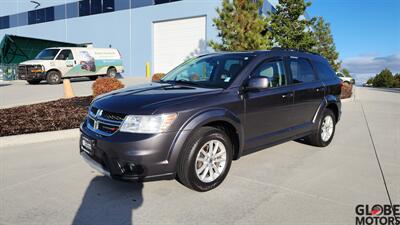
pixel 65 63
pixel 268 110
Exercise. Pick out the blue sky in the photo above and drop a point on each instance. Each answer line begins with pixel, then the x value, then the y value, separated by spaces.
pixel 366 32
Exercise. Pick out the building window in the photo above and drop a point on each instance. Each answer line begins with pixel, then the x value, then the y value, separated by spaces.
pixel 161 1
pixel 14 20
pixel 108 5
pixel 122 4
pixel 59 12
pixel 72 10
pixel 95 6
pixel 23 19
pixel 4 22
pixel 84 8
pixel 49 14
pixel 140 3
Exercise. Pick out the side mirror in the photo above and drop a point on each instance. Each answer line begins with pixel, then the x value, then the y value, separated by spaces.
pixel 257 83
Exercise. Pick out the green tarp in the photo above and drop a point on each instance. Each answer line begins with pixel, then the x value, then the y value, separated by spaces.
pixel 15 49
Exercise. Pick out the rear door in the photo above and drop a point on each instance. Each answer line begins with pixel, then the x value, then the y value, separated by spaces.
pixel 267 110
pixel 309 92
pixel 65 62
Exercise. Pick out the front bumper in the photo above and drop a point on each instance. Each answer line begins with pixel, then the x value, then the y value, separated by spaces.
pixel 127 156
pixel 31 72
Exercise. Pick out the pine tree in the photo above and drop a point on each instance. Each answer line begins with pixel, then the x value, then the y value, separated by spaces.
pixel 384 79
pixel 241 27
pixel 289 27
pixel 325 45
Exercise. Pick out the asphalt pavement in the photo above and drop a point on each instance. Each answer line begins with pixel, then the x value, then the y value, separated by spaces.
pixel 16 93
pixel 292 183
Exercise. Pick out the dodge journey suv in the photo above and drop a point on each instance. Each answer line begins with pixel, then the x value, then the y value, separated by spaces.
pixel 209 111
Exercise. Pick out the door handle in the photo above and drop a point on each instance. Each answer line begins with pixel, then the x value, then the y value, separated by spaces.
pixel 287 95
pixel 319 89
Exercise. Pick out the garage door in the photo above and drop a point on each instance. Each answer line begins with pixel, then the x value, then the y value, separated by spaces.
pixel 177 40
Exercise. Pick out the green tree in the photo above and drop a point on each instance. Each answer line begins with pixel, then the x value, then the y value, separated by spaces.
pixel 383 79
pixel 325 45
pixel 370 80
pixel 289 27
pixel 241 27
pixel 346 72
pixel 396 80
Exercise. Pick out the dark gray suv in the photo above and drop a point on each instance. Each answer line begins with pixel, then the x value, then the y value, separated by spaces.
pixel 209 111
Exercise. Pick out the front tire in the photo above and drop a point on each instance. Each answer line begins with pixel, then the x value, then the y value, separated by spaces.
pixel 53 77
pixel 111 72
pixel 323 136
pixel 205 160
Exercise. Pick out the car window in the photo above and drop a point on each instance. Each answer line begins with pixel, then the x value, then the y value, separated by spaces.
pixel 212 71
pixel 65 55
pixel 301 71
pixel 324 71
pixel 274 71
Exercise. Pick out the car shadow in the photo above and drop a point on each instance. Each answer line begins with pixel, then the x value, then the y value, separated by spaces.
pixel 109 201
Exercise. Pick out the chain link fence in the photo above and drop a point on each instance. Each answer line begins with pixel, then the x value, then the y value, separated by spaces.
pixel 8 72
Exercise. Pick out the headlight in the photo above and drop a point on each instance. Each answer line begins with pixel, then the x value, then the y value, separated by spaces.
pixel 37 68
pixel 147 124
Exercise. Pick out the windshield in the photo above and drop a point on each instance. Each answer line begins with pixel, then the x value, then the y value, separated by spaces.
pixel 47 54
pixel 212 71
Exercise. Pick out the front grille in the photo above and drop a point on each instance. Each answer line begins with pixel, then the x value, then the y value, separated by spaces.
pixel 113 116
pixel 24 72
pixel 104 122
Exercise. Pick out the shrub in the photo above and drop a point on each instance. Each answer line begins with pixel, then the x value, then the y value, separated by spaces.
pixel 106 84
pixel 157 76
pixel 347 90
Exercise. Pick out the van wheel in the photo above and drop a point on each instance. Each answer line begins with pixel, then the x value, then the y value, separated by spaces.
pixel 33 81
pixel 205 160
pixel 53 77
pixel 326 129
pixel 93 77
pixel 111 72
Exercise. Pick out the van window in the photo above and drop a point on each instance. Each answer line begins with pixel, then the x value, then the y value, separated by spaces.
pixel 301 71
pixel 324 71
pixel 65 55
pixel 47 54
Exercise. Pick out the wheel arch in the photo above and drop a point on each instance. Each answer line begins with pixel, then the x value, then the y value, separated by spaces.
pixel 220 118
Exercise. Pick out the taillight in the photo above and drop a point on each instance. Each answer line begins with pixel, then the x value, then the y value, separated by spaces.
pixel 341 84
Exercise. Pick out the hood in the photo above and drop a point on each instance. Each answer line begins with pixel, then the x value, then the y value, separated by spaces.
pixel 34 62
pixel 147 98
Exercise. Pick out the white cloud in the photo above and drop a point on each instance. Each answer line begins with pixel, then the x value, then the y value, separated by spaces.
pixel 372 64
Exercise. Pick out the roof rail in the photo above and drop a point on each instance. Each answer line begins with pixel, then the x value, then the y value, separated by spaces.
pixel 292 49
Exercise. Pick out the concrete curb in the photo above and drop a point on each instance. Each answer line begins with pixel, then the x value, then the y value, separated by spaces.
pixel 25 139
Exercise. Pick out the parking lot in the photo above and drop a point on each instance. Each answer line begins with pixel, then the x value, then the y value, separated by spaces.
pixel 15 93
pixel 292 183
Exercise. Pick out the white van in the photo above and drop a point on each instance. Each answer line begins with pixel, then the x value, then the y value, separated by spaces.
pixel 54 64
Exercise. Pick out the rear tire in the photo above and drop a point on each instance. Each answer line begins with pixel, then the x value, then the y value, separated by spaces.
pixel 205 160
pixel 323 136
pixel 33 82
pixel 111 72
pixel 53 77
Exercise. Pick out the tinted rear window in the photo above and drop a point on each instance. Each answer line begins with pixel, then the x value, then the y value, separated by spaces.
pixel 325 72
